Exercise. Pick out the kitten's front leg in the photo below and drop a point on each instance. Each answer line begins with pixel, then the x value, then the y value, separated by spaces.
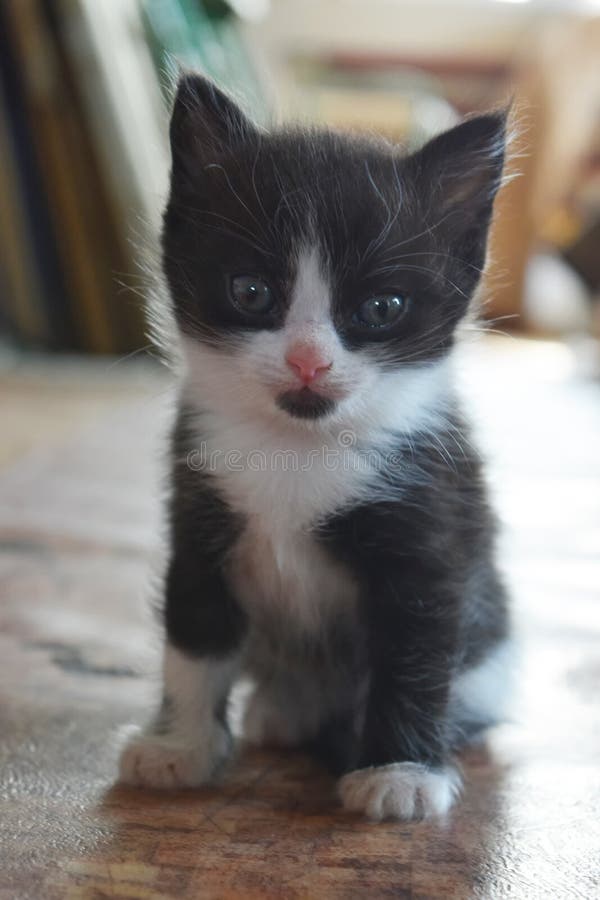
pixel 189 739
pixel 403 766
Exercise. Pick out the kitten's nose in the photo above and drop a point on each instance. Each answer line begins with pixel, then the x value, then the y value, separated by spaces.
pixel 307 362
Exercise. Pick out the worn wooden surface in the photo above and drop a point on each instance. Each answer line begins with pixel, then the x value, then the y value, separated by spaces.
pixel 78 516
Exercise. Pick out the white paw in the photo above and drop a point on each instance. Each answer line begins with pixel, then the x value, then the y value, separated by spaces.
pixel 400 791
pixel 172 761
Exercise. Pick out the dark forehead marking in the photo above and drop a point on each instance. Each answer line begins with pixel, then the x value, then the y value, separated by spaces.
pixel 350 192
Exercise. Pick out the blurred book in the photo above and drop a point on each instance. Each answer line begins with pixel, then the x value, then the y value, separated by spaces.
pixel 32 283
pixel 84 92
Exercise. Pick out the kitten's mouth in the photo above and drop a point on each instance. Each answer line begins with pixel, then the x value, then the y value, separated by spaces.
pixel 305 404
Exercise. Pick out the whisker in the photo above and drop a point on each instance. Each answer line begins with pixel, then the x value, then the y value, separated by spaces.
pixel 376 243
pixel 385 270
pixel 428 230
pixel 146 349
pixel 238 230
pixel 464 262
pixel 235 193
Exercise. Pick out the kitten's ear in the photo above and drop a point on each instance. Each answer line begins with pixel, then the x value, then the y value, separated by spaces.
pixel 461 170
pixel 205 123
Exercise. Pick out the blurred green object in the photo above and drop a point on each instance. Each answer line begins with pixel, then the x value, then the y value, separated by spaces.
pixel 203 35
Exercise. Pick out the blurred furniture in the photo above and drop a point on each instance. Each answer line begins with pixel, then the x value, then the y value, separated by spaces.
pixel 383 65
pixel 554 200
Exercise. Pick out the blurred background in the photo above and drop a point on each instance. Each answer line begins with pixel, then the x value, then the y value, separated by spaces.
pixel 84 96
pixel 84 162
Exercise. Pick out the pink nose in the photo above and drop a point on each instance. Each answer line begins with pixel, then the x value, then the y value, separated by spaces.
pixel 307 362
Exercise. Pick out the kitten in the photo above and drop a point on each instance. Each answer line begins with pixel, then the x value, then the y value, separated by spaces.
pixel 330 532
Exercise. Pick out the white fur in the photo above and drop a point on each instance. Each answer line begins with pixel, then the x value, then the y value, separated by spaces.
pixel 283 482
pixel 400 791
pixel 286 569
pixel 311 292
pixel 484 691
pixel 195 745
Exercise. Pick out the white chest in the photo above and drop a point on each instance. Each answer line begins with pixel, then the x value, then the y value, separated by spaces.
pixel 278 569
pixel 288 577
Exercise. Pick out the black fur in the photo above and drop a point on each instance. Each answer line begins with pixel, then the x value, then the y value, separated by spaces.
pixel 242 200
pixel 201 615
pixel 431 602
pixel 416 554
pixel 305 404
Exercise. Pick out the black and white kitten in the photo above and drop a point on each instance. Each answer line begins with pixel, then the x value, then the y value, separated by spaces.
pixel 329 529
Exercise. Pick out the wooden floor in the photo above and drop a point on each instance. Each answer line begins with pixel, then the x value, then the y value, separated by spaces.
pixel 78 513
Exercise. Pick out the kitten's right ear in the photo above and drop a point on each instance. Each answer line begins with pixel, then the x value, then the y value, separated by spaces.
pixel 205 122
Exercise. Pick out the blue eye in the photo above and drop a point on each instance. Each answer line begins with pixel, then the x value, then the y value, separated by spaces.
pixel 381 311
pixel 251 294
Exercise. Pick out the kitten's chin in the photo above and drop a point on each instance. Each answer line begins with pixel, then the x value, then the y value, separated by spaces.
pixel 305 404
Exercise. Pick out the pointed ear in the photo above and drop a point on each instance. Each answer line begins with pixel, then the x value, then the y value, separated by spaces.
pixel 462 168
pixel 205 123
pixel 456 177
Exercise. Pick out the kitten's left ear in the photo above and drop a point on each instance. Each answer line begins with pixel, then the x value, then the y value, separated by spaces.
pixel 460 171
pixel 205 123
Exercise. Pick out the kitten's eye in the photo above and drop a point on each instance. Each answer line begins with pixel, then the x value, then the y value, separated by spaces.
pixel 251 294
pixel 381 311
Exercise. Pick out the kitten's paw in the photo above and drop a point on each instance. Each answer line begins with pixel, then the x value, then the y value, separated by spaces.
pixel 171 761
pixel 400 791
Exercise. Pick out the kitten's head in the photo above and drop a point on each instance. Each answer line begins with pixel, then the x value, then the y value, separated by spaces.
pixel 319 276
